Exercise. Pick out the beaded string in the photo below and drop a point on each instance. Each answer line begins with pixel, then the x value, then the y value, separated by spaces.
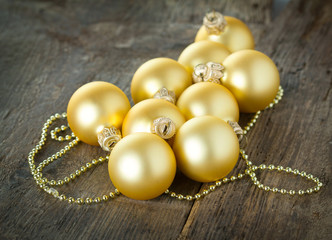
pixel 48 185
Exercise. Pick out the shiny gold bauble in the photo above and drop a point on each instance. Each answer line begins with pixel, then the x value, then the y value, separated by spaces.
pixel 157 73
pixel 94 106
pixel 206 98
pixel 140 118
pixel 253 79
pixel 202 52
pixel 206 148
pixel 235 36
pixel 142 166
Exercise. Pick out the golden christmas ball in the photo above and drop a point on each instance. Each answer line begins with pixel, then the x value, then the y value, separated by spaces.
pixel 202 52
pixel 142 116
pixel 157 73
pixel 142 166
pixel 253 79
pixel 206 98
pixel 235 35
pixel 206 148
pixel 94 106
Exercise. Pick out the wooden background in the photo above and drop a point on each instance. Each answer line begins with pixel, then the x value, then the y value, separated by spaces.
pixel 50 48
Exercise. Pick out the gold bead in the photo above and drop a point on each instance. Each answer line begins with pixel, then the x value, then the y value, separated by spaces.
pixel 71 200
pixel 105 197
pixel 112 195
pixel 283 191
pixel 88 200
pixel 309 191
pixel 94 106
pixel 280 168
pixel 206 98
pixel 253 79
pixel 66 179
pixel 79 201
pixel 157 73
pixel 189 198
pixel 198 196
pixel 62 197
pixel 97 200
pixel 291 192
pixel 218 183
pixel 180 196
pixel 205 192
pixel 225 180
pixel 262 166
pixel 301 192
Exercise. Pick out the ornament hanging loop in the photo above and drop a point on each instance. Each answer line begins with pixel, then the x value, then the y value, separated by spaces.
pixel 237 129
pixel 209 72
pixel 108 138
pixel 164 127
pixel 164 93
pixel 214 22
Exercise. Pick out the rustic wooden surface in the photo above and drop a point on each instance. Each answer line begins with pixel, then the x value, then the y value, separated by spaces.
pixel 50 48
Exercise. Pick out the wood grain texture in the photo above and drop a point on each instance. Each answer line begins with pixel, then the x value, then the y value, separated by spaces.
pixel 50 48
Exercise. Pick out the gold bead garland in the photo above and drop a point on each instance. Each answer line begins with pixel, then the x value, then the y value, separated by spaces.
pixel 48 185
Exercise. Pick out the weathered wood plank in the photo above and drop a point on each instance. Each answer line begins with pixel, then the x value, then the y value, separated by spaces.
pixel 50 48
pixel 297 133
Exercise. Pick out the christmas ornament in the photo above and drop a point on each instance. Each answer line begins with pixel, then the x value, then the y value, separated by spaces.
pixel 93 107
pixel 253 79
pixel 153 116
pixel 206 148
pixel 142 166
pixel 207 98
pixel 157 73
pixel 230 31
pixel 202 52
